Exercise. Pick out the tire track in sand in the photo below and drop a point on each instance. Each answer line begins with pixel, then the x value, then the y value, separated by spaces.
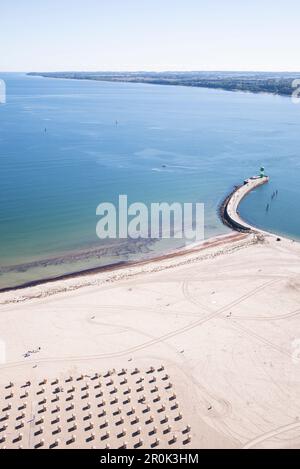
pixel 154 341
pixel 274 433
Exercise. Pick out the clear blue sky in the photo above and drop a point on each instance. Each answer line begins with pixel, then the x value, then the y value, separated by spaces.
pixel 49 35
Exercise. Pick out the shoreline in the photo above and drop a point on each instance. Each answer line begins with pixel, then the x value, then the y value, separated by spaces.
pixel 234 90
pixel 228 212
pixel 209 242
pixel 112 273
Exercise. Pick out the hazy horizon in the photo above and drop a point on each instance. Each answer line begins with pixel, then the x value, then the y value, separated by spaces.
pixel 129 35
pixel 153 71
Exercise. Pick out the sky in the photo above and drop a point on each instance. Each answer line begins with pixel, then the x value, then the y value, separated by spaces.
pixel 128 35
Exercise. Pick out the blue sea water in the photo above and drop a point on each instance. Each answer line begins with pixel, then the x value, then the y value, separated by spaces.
pixel 62 153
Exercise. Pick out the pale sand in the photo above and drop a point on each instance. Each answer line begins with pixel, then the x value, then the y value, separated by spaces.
pixel 221 321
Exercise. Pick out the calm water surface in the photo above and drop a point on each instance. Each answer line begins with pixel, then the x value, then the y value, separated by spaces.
pixel 61 154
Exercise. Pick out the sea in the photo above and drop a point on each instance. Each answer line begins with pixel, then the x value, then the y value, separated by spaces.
pixel 68 145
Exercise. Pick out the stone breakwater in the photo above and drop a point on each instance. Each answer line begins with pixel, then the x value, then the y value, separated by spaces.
pixel 229 208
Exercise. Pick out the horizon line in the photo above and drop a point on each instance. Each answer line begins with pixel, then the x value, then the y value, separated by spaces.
pixel 150 71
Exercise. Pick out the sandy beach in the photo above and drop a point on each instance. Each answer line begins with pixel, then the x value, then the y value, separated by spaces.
pixel 208 334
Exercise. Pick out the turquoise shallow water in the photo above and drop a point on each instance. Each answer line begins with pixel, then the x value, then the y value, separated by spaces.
pixel 52 181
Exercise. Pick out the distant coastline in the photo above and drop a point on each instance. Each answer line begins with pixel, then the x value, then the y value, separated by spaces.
pixel 255 82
